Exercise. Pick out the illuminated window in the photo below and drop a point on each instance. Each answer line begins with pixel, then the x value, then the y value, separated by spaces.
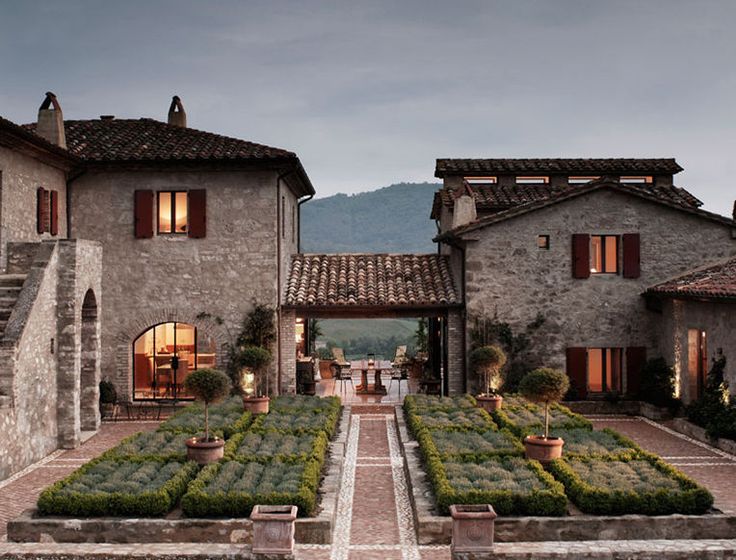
pixel 543 241
pixel 581 180
pixel 638 179
pixel 697 362
pixel 531 180
pixel 604 254
pixel 604 370
pixel 481 180
pixel 172 212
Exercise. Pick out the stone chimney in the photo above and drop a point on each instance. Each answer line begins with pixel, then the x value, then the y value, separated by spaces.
pixel 177 114
pixel 464 211
pixel 51 121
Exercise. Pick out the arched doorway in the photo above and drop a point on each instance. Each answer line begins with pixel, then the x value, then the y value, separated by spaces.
pixel 163 357
pixel 90 364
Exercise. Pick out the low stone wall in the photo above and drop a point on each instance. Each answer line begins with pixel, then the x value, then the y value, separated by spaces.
pixel 630 408
pixel 694 431
pixel 435 529
pixel 29 528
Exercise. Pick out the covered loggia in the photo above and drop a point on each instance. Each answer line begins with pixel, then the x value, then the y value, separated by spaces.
pixel 375 286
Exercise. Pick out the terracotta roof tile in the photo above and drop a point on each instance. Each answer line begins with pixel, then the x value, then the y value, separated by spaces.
pixel 355 280
pixel 713 282
pixel 577 166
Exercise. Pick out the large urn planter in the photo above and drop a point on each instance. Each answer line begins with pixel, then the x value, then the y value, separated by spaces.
pixel 543 449
pixel 205 452
pixel 325 371
pixel 489 403
pixel 273 529
pixel 256 405
pixel 472 528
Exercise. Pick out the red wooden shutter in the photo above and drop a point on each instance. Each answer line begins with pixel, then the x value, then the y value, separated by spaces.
pixel 636 356
pixel 577 370
pixel 632 268
pixel 143 209
pixel 197 213
pixel 581 255
pixel 54 213
pixel 42 210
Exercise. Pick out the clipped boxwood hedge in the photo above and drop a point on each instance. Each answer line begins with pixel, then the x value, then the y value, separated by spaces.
pixel 232 488
pixel 525 418
pixel 644 484
pixel 226 418
pixel 605 443
pixel 431 402
pixel 292 403
pixel 460 418
pixel 298 421
pixel 470 445
pixel 272 445
pixel 159 445
pixel 129 487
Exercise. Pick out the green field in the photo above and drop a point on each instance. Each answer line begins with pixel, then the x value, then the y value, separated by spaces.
pixel 359 336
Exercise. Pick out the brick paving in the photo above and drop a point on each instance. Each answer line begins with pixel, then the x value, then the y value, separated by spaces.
pixel 20 492
pixel 711 467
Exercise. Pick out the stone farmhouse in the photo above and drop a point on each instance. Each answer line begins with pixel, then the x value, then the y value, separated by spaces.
pixel 122 240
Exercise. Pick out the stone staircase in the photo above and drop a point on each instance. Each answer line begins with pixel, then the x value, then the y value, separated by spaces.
pixel 10 286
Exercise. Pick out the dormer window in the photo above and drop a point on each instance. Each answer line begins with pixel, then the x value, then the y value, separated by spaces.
pixel 637 179
pixel 532 180
pixel 581 180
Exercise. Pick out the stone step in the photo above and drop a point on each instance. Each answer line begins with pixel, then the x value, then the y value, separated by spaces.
pixel 12 279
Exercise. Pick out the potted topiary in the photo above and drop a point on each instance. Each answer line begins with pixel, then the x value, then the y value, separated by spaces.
pixel 108 399
pixel 254 379
pixel 545 386
pixel 207 385
pixel 487 362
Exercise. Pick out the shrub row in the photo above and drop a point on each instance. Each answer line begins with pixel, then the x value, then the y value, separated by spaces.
pixel 226 419
pixel 525 418
pixel 460 418
pixel 276 446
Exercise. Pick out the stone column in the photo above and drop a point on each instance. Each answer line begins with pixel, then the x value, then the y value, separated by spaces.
pixel 456 351
pixel 287 351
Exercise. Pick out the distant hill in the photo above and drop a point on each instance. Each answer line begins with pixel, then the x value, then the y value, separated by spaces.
pixel 393 219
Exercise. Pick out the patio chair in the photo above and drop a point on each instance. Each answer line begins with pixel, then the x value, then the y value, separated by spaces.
pixel 399 369
pixel 341 369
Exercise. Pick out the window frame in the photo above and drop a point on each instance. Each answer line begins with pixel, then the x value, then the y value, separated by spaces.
pixel 604 237
pixel 605 374
pixel 543 242
pixel 173 194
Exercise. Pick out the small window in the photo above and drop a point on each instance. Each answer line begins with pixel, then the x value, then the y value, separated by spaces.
pixel 172 212
pixel 481 180
pixel 581 180
pixel 532 180
pixel 543 241
pixel 637 179
pixel 604 254
pixel 604 370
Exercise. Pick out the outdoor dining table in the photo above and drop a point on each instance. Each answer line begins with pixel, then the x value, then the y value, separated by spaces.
pixel 366 388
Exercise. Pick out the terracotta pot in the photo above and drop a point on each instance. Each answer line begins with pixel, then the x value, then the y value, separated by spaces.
pixel 472 528
pixel 325 371
pixel 489 403
pixel 273 529
pixel 256 405
pixel 205 452
pixel 544 450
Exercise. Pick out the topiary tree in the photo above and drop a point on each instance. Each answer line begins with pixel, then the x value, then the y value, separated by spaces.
pixel 257 359
pixel 486 362
pixel 544 385
pixel 207 385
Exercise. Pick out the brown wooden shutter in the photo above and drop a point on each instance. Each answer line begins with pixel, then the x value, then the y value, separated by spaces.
pixel 54 221
pixel 581 255
pixel 197 213
pixel 577 370
pixel 636 356
pixel 143 209
pixel 632 253
pixel 42 210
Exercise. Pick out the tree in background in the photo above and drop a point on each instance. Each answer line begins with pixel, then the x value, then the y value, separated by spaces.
pixel 421 339
pixel 314 330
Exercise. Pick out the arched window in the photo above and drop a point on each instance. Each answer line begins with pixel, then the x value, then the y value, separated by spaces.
pixel 163 357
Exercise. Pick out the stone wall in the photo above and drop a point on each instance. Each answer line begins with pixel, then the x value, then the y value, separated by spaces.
pixel 287 343
pixel 508 277
pixel 717 319
pixel 176 278
pixel 20 177
pixel 455 352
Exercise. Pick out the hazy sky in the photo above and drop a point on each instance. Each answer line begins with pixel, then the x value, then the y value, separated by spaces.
pixel 370 93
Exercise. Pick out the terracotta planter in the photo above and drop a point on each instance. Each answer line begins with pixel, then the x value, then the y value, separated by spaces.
pixel 489 403
pixel 472 528
pixel 273 529
pixel 325 371
pixel 544 450
pixel 205 452
pixel 256 405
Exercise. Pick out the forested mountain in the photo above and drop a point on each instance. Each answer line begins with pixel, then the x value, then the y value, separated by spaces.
pixel 393 219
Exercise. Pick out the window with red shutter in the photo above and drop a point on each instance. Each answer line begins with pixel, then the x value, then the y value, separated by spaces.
pixel 143 210
pixel 632 255
pixel 42 210
pixel 581 255
pixel 577 366
pixel 54 220
pixel 636 356
pixel 197 213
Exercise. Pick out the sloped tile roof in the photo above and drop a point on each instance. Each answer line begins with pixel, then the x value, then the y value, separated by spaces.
pixel 494 197
pixel 16 133
pixel 578 166
pixel 712 282
pixel 375 280
pixel 113 140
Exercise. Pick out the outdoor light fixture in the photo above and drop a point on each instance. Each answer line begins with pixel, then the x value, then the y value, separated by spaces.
pixel 371 360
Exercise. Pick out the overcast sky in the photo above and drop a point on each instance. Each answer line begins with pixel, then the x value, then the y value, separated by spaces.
pixel 370 93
